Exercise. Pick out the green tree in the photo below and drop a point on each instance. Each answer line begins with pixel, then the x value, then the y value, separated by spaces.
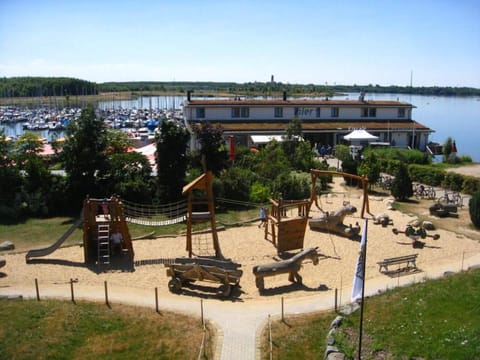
pixel 370 167
pixel 447 149
pixel 11 182
pixel 237 183
pixel 272 162
pixel 118 141
pixel 342 152
pixel 402 184
pixel 37 177
pixel 172 160
pixel 474 209
pixel 212 146
pixel 293 136
pixel 128 175
pixel 303 159
pixel 84 153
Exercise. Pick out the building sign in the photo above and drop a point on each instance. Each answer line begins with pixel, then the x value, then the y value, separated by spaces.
pixel 304 112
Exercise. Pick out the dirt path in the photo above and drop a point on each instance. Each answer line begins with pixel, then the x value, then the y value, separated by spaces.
pixel 471 170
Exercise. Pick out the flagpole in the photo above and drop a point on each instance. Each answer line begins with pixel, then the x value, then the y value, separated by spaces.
pixel 360 331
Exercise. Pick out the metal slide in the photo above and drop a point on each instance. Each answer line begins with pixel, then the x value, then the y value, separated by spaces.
pixel 48 250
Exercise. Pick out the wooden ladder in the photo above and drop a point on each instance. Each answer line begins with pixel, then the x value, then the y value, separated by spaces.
pixel 103 243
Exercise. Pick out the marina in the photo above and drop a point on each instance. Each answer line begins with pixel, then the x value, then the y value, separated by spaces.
pixel 145 112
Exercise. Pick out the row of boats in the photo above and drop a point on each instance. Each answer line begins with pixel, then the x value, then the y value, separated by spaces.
pixel 57 119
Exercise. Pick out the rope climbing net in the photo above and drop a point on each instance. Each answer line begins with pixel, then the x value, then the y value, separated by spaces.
pixel 155 215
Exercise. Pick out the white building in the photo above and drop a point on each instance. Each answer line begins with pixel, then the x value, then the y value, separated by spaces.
pixel 323 121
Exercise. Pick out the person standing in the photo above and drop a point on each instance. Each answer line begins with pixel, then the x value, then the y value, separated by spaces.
pixel 116 239
pixel 263 217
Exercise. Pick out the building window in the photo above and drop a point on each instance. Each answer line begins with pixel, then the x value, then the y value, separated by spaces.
pixel 317 112
pixel 369 112
pixel 278 112
pixel 238 112
pixel 335 111
pixel 200 113
pixel 401 112
pixel 295 111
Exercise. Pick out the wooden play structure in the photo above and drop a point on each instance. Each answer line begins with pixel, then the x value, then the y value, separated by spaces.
pixel 201 208
pixel 186 270
pixel 314 173
pixel 290 266
pixel 100 218
pixel 287 232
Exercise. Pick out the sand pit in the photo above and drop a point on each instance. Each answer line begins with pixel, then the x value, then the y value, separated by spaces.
pixel 246 245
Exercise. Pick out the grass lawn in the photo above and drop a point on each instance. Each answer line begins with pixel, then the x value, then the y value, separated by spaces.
pixel 54 329
pixel 437 319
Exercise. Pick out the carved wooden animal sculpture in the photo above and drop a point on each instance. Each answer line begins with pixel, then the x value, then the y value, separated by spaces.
pixel 291 266
pixel 382 219
pixel 333 222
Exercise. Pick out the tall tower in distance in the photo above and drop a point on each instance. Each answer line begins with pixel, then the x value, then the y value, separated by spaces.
pixel 272 79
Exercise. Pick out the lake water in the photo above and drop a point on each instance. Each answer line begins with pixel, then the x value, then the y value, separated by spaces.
pixel 456 117
pixel 450 116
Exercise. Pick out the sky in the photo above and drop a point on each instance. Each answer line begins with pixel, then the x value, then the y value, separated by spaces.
pixel 384 42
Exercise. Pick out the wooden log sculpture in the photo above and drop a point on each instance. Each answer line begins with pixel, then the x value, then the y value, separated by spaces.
pixel 291 266
pixel 382 219
pixel 333 222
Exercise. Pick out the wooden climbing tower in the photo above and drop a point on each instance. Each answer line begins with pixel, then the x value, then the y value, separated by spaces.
pixel 100 218
pixel 286 223
pixel 201 208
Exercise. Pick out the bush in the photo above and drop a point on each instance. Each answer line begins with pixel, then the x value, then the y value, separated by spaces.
pixel 350 167
pixel 405 156
pixel 466 159
pixel 293 186
pixel 426 174
pixel 474 208
pixel 470 184
pixel 402 184
pixel 237 182
pixel 342 152
pixel 259 193
pixel 453 181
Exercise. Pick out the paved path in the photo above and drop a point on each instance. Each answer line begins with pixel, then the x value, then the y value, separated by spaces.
pixel 239 322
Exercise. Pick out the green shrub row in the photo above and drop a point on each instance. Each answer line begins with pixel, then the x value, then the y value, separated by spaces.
pixel 432 176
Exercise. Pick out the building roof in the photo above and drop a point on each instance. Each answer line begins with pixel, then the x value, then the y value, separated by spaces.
pixel 320 126
pixel 295 102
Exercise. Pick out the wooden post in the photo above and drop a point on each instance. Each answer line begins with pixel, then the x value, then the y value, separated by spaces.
pixel 36 289
pixel 201 311
pixel 336 303
pixel 283 317
pixel 71 291
pixel 156 300
pixel 106 293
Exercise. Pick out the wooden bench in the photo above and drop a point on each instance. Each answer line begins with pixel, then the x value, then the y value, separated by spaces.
pixel 410 261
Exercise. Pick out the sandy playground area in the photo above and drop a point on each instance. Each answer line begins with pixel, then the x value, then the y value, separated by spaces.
pixel 246 245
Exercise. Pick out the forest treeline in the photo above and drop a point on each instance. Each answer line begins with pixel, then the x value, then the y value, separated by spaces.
pixel 45 86
pixel 53 86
